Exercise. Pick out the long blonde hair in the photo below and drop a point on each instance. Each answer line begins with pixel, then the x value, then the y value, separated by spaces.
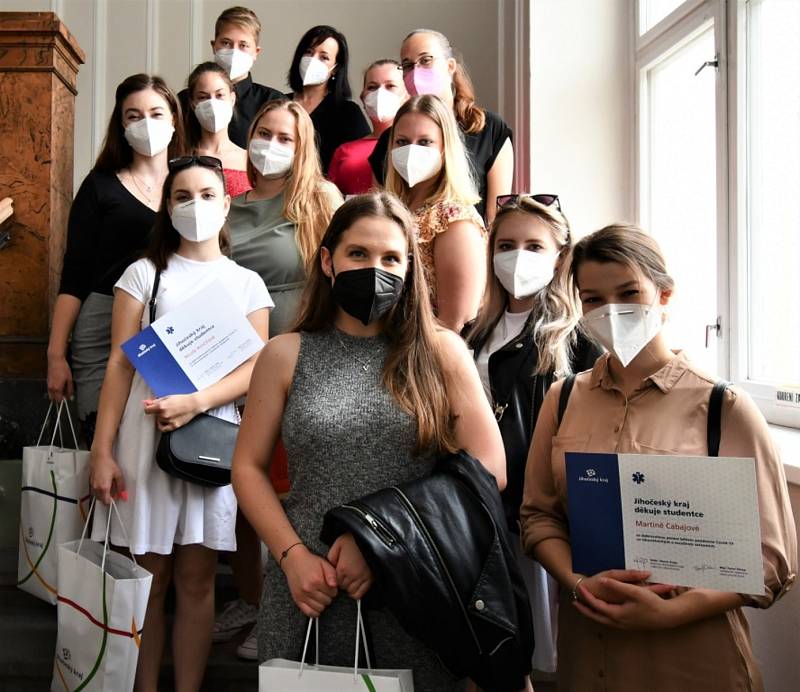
pixel 413 372
pixel 455 182
pixel 308 197
pixel 555 311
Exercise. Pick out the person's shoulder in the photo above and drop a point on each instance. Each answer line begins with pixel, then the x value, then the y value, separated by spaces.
pixel 281 350
pixel 267 93
pixel 453 350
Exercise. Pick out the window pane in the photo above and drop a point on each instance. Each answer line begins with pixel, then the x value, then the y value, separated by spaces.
pixel 651 12
pixel 680 191
pixel 773 181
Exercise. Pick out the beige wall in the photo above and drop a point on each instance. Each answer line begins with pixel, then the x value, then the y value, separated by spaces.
pixel 168 37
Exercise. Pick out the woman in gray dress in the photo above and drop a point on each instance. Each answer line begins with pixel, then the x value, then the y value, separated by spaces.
pixel 366 392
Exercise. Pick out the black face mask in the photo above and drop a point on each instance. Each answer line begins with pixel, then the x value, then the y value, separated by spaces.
pixel 367 294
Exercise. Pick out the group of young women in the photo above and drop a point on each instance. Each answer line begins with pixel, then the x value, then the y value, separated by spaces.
pixel 439 313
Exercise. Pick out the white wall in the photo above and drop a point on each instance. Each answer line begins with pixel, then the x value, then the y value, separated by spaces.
pixel 168 37
pixel 582 108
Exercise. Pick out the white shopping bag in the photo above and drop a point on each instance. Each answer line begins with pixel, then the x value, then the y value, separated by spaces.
pixel 55 490
pixel 280 675
pixel 102 600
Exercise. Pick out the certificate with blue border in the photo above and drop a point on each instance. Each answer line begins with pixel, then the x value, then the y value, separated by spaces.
pixel 690 521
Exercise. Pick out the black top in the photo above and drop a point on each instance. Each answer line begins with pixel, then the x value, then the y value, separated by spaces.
pixel 250 96
pixel 336 123
pixel 482 150
pixel 517 395
pixel 108 230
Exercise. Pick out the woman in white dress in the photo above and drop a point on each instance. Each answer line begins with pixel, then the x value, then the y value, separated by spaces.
pixel 174 527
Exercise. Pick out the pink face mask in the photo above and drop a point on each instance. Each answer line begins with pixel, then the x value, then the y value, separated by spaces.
pixel 426 80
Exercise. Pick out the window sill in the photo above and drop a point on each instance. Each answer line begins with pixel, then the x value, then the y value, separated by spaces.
pixel 788 443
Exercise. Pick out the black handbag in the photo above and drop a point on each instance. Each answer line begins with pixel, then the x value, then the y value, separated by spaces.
pixel 200 451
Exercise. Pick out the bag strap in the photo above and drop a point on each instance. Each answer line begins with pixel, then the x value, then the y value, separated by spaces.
pixel 563 398
pixel 153 296
pixel 714 424
pixel 360 633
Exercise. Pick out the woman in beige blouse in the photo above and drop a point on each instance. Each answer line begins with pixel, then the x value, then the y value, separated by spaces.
pixel 620 633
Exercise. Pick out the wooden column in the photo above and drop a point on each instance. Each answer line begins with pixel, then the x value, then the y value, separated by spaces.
pixel 39 60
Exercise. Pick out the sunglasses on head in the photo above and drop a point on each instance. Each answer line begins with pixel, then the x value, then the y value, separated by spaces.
pixel 185 161
pixel 544 200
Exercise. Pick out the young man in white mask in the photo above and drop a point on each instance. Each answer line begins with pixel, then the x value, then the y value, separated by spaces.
pixel 320 84
pixel 525 337
pixel 643 398
pixel 235 48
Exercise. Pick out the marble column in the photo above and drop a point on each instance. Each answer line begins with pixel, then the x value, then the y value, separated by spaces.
pixel 39 61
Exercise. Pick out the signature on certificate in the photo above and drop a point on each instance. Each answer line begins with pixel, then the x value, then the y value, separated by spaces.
pixel 641 562
pixel 703 567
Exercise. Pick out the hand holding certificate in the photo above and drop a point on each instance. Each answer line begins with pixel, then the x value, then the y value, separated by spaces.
pixel 195 345
pixel 689 521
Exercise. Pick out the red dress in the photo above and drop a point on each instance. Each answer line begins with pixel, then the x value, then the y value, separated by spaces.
pixel 236 181
pixel 349 169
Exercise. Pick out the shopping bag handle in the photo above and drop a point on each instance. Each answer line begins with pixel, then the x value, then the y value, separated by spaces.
pixel 62 406
pixel 360 632
pixel 108 531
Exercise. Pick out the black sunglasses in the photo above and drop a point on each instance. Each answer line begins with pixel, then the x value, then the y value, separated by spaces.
pixel 185 161
pixel 545 200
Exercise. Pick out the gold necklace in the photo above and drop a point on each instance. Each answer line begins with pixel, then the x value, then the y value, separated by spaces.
pixel 144 193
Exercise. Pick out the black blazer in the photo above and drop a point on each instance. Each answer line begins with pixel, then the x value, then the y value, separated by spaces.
pixel 517 395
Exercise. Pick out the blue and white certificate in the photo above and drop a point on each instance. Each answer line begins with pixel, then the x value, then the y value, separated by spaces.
pixel 690 521
pixel 195 345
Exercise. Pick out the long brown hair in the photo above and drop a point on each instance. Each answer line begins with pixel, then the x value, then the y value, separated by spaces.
pixel 469 114
pixel 626 244
pixel 455 182
pixel 164 239
pixel 193 129
pixel 307 196
pixel 555 312
pixel 116 153
pixel 413 371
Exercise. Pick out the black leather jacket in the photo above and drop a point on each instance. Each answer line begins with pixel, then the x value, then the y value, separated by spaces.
pixel 443 563
pixel 517 395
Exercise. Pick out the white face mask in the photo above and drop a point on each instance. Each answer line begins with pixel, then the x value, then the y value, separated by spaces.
pixel 214 114
pixel 382 105
pixel 313 71
pixel 270 158
pixel 624 329
pixel 198 219
pixel 522 272
pixel 235 62
pixel 415 163
pixel 149 137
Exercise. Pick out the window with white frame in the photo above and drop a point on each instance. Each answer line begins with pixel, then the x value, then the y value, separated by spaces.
pixel 718 174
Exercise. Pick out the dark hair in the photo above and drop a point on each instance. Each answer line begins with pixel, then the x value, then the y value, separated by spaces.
pixel 413 371
pixel 164 239
pixel 116 153
pixel 193 129
pixel 338 84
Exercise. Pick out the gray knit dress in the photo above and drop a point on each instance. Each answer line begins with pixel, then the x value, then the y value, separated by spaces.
pixel 345 437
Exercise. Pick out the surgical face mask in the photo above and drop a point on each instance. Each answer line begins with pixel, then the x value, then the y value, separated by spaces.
pixel 367 294
pixel 624 329
pixel 198 219
pixel 235 62
pixel 426 80
pixel 148 136
pixel 214 114
pixel 270 158
pixel 381 105
pixel 415 163
pixel 313 71
pixel 522 272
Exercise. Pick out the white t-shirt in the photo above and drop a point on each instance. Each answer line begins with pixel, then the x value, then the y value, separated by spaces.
pixel 509 327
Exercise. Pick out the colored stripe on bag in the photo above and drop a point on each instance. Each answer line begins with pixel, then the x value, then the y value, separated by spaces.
pixel 60 498
pixel 104 626
pixel 368 682
pixel 34 570
pixel 133 634
pixel 35 567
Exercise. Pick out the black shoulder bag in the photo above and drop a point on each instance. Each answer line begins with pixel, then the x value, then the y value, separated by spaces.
pixel 713 425
pixel 200 451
